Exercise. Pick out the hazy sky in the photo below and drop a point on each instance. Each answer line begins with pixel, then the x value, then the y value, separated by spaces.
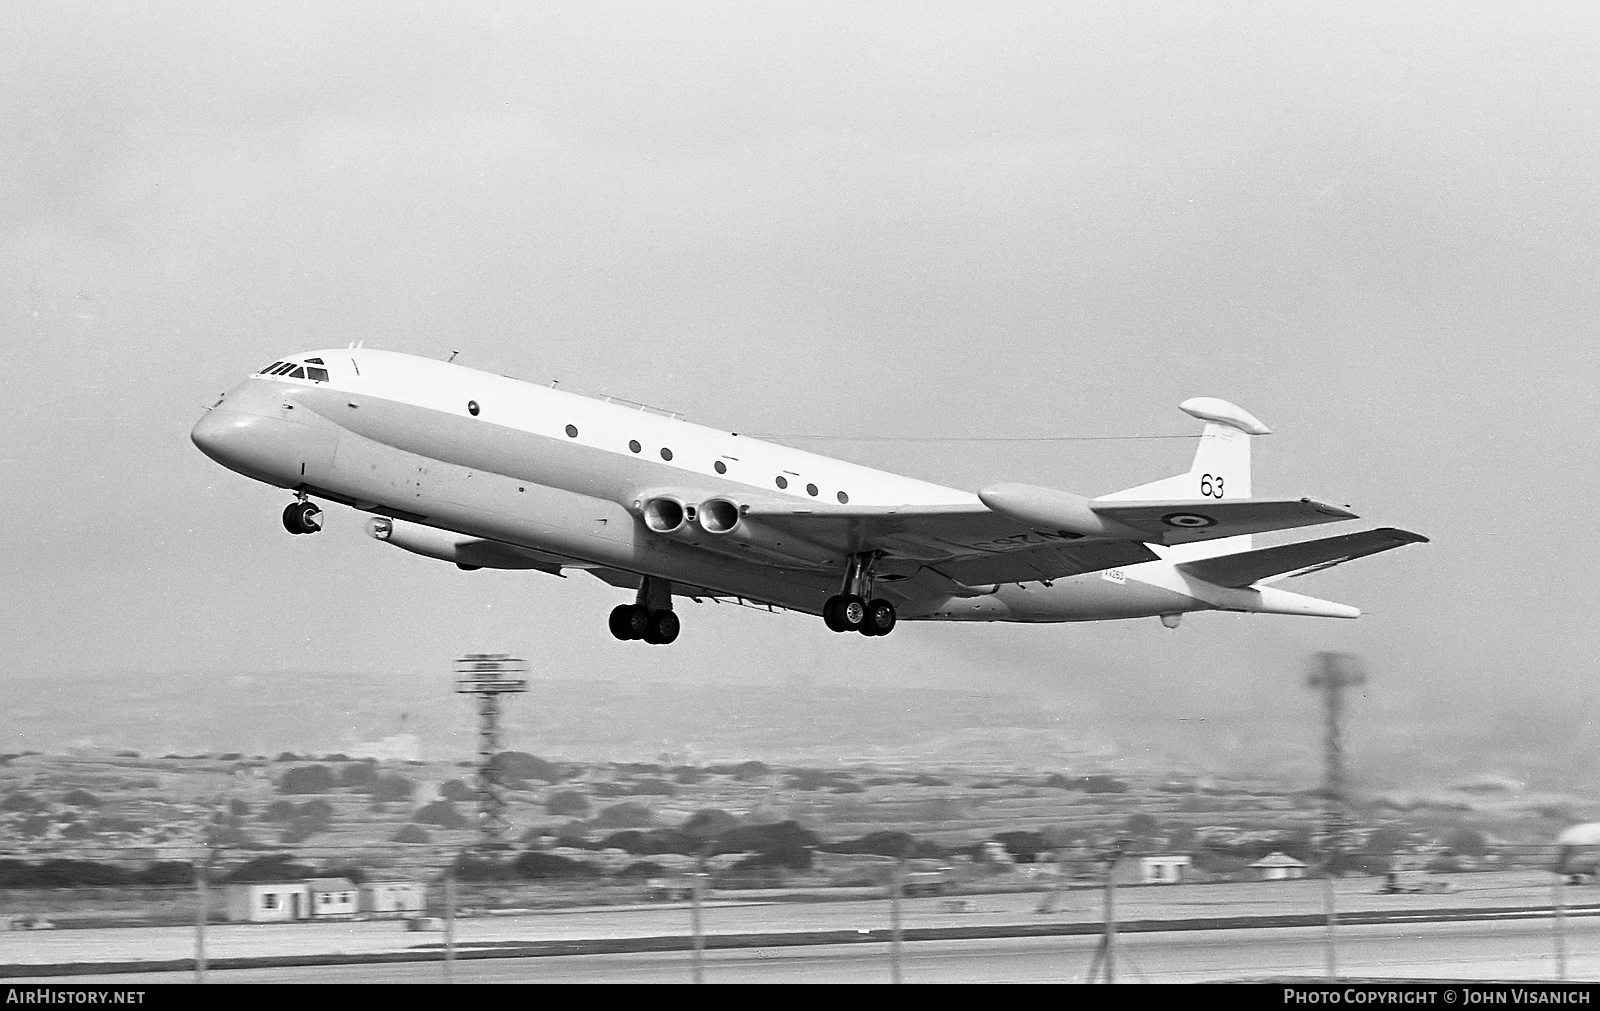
pixel 1374 227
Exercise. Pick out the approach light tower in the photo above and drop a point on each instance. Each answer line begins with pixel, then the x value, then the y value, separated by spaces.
pixel 1331 674
pixel 489 676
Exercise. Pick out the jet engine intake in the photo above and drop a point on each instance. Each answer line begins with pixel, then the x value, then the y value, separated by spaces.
pixel 718 516
pixel 664 515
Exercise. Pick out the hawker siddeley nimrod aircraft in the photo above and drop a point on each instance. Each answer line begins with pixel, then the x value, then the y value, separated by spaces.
pixel 490 472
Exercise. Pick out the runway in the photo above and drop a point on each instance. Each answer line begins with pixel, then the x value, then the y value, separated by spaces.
pixel 1473 950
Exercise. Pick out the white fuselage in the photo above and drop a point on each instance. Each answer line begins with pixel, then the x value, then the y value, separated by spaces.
pixel 560 475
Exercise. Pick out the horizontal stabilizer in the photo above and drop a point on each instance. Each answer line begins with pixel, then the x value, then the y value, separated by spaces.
pixel 1183 521
pixel 1250 567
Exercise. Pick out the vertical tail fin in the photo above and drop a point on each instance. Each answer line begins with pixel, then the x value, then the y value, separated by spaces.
pixel 1221 468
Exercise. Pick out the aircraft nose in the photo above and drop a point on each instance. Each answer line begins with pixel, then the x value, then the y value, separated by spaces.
pixel 278 449
pixel 239 440
pixel 210 435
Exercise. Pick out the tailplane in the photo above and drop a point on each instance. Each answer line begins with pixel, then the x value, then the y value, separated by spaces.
pixel 1268 565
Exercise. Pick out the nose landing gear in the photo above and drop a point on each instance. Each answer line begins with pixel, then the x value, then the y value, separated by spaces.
pixel 302 517
pixel 854 609
pixel 650 618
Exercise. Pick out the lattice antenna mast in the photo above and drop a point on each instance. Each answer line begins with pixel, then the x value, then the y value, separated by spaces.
pixel 489 676
pixel 1332 673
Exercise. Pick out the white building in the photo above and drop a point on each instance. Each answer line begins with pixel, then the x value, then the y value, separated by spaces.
pixel 333 897
pixel 393 898
pixel 269 902
pixel 1168 869
pixel 1277 866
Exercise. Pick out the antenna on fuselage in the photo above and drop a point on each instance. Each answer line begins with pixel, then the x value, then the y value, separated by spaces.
pixel 452 356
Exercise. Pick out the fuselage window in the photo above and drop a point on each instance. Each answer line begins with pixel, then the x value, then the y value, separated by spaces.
pixel 783 482
pixel 666 454
pixel 472 408
pixel 298 373
pixel 720 467
pixel 811 489
pixel 843 498
pixel 633 444
pixel 572 431
pixel 320 375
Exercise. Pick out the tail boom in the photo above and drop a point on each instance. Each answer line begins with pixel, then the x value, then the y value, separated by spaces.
pixel 1271 600
pixel 1247 599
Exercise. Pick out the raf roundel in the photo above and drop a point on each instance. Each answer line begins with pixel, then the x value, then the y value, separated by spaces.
pixel 1189 520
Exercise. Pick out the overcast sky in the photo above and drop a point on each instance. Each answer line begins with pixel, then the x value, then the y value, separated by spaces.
pixel 1374 227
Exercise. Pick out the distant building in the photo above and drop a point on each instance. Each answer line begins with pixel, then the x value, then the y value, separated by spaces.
pixel 269 902
pixel 393 898
pixel 1160 869
pixel 996 853
pixel 333 897
pixel 1277 866
pixel 1168 869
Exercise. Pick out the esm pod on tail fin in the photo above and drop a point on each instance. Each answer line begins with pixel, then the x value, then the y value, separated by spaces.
pixel 489 472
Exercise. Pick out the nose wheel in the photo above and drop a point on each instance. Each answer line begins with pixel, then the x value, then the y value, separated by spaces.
pixel 855 609
pixel 302 517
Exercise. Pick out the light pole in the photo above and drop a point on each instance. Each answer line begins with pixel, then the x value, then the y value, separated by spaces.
pixel 202 871
pixel 1331 674
pixel 489 676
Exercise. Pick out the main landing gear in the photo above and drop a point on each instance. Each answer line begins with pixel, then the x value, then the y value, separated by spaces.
pixel 650 617
pixel 302 517
pixel 854 609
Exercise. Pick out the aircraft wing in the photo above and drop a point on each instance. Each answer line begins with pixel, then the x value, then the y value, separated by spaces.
pixel 1181 521
pixel 1045 562
pixel 970 544
pixel 1248 567
pixel 974 544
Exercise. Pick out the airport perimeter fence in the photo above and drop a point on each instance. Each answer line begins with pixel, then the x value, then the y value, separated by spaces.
pixel 100 888
pixel 105 885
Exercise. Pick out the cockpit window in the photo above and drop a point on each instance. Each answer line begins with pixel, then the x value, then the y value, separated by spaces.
pixel 294 370
pixel 315 361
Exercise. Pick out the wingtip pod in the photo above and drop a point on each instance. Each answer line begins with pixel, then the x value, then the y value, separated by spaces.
pixel 1224 413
